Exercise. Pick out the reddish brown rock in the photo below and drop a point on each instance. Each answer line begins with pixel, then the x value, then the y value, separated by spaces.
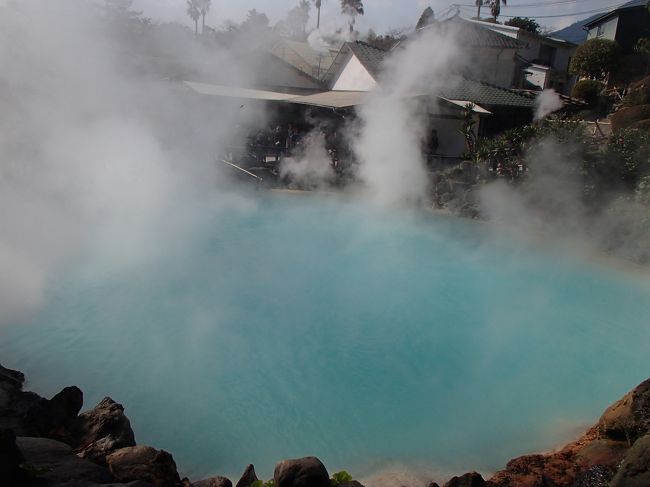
pixel 102 430
pixel 144 463
pixel 558 469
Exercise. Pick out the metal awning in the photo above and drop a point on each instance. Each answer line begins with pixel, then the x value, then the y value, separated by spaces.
pixel 332 99
pixel 326 99
pixel 463 103
pixel 236 92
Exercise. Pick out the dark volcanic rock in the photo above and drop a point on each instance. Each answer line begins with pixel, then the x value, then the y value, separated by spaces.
pixel 301 472
pixel 248 477
pixel 102 430
pixel 13 378
pixel 11 459
pixel 65 406
pixel 144 463
pixel 598 476
pixel 54 462
pixel 213 482
pixel 635 469
pixel 471 479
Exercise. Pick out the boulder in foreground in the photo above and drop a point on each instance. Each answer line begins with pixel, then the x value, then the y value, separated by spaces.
pixel 301 472
pixel 143 463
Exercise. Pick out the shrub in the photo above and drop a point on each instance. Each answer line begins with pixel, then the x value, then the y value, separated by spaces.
pixel 588 90
pixel 627 116
pixel 642 126
pixel 628 156
pixel 638 93
pixel 595 58
pixel 341 477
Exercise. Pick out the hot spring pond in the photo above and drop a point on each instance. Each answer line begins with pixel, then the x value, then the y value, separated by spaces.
pixel 370 338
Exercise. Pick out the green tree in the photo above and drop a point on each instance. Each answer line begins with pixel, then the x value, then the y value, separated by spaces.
pixel 352 8
pixel 495 8
pixel 194 13
pixel 297 19
pixel 317 4
pixel 479 4
pixel 204 8
pixel 642 46
pixel 525 23
pixel 595 59
pixel 255 22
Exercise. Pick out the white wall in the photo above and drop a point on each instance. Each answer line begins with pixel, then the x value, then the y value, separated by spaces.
pixel 607 29
pixel 538 75
pixel 354 77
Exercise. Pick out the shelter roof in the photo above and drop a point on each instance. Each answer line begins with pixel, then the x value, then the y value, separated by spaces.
pixel 473 34
pixel 371 57
pixel 625 6
pixel 486 94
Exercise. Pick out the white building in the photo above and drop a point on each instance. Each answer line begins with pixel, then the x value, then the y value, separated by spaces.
pixel 541 61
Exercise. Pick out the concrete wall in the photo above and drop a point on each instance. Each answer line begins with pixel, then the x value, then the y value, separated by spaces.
pixel 354 77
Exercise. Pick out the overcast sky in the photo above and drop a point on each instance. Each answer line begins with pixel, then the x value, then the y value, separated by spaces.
pixel 381 15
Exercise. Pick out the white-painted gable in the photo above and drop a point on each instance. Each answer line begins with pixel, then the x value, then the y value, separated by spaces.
pixel 354 77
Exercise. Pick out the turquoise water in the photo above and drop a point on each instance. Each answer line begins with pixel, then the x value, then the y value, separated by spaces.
pixel 306 326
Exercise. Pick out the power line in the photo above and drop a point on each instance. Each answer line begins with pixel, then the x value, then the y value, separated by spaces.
pixel 603 9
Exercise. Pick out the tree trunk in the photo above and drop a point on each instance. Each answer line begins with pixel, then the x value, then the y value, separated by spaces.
pixel 478 14
pixel 203 24
pixel 196 26
pixel 318 19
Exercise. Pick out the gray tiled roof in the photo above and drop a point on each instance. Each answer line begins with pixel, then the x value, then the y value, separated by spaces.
pixel 631 4
pixel 371 57
pixel 486 94
pixel 471 34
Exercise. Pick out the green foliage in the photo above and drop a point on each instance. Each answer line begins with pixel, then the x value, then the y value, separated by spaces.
pixel 642 192
pixel 525 23
pixel 467 129
pixel 642 45
pixel 588 90
pixel 638 93
pixel 626 117
pixel 596 58
pixel 628 154
pixel 386 41
pixel 259 483
pixel 341 477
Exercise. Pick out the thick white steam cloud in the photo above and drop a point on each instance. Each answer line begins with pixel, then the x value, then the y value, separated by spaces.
pixel 393 122
pixel 97 150
pixel 547 102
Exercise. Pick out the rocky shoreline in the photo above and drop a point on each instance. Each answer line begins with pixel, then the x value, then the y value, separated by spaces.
pixel 47 442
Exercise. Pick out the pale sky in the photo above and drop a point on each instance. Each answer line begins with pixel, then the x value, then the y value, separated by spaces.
pixel 381 15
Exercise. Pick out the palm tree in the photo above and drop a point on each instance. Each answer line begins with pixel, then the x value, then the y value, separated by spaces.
pixel 352 8
pixel 479 4
pixel 317 3
pixel 204 8
pixel 495 7
pixel 195 14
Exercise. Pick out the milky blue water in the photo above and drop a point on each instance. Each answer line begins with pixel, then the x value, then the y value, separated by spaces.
pixel 368 337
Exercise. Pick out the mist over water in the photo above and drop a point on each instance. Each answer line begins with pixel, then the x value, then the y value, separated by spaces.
pixel 372 338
